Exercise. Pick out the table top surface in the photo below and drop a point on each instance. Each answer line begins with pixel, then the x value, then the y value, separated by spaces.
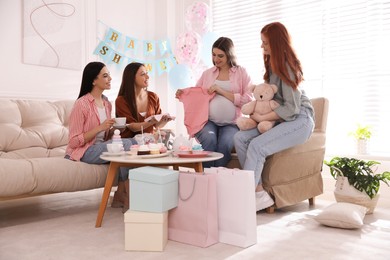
pixel 168 159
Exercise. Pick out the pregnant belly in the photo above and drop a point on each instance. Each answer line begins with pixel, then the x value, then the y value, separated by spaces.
pixel 222 110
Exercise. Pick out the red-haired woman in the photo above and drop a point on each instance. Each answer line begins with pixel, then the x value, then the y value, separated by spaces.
pixel 295 113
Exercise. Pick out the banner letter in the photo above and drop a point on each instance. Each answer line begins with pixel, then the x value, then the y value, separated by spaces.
pixel 114 36
pixel 163 65
pixel 149 67
pixel 131 44
pixel 149 47
pixel 104 50
pixel 116 58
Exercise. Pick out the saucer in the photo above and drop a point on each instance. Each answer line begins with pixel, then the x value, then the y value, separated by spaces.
pixel 119 126
pixel 198 154
pixel 113 154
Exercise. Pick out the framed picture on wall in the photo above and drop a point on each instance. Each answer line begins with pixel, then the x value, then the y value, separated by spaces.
pixel 53 33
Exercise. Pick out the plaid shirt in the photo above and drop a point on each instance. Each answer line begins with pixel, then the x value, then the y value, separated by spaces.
pixel 83 118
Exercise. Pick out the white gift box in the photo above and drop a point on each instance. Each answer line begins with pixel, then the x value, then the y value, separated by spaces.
pixel 153 189
pixel 145 231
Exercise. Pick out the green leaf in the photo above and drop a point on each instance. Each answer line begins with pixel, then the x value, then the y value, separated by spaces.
pixel 361 132
pixel 359 173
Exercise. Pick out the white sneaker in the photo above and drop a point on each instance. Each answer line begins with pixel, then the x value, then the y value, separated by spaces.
pixel 263 200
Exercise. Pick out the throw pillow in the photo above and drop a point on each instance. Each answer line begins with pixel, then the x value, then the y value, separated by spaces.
pixel 342 215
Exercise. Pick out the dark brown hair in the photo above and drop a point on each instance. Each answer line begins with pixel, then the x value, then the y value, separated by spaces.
pixel 127 89
pixel 90 73
pixel 226 45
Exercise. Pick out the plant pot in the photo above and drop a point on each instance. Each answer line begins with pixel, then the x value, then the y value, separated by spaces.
pixel 344 192
pixel 362 146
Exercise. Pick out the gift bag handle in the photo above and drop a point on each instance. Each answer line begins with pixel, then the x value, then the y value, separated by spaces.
pixel 231 171
pixel 192 191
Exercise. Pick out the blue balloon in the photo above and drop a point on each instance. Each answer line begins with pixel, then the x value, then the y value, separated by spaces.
pixel 180 76
pixel 208 40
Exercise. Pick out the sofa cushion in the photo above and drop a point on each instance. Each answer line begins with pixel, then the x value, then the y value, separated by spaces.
pixel 34 152
pixel 16 177
pixel 33 123
pixel 75 176
pixel 39 176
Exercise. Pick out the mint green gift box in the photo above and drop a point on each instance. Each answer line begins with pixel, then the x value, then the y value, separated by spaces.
pixel 153 189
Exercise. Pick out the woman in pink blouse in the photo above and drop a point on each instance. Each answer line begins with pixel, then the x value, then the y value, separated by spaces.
pixel 226 86
pixel 90 122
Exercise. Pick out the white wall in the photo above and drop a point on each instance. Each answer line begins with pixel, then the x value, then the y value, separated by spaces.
pixel 27 81
pixel 135 18
pixel 147 19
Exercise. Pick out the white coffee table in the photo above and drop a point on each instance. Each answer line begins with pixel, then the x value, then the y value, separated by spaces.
pixel 134 161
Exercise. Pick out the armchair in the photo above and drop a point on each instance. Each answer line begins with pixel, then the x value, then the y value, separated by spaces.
pixel 294 175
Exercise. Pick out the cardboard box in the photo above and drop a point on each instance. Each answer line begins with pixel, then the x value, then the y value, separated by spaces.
pixel 153 189
pixel 145 231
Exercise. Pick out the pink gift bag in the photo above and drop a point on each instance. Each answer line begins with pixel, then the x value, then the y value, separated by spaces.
pixel 195 219
pixel 237 222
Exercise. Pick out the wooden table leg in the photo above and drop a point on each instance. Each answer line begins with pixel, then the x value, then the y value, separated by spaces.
pixel 198 167
pixel 112 171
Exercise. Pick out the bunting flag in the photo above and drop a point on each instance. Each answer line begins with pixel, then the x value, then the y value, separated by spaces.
pixel 131 45
pixel 104 51
pixel 119 50
pixel 149 48
pixel 164 46
pixel 113 37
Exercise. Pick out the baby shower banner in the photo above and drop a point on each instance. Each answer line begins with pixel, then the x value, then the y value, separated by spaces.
pixel 119 50
pixel 192 52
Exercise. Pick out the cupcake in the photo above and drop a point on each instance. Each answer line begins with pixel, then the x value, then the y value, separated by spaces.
pixel 154 149
pixel 184 149
pixel 197 148
pixel 163 149
pixel 134 149
pixel 143 149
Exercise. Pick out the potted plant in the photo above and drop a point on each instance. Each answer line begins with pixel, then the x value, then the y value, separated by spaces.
pixel 356 180
pixel 362 135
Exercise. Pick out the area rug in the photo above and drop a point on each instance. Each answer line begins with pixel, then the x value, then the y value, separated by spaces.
pixel 296 235
pixel 63 227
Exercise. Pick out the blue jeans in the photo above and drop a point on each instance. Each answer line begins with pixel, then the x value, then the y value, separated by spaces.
pixel 217 139
pixel 92 155
pixel 253 148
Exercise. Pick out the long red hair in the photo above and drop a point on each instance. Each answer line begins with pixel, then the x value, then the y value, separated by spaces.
pixel 282 54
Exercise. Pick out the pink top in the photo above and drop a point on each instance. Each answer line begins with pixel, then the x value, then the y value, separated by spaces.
pixel 196 108
pixel 83 118
pixel 239 82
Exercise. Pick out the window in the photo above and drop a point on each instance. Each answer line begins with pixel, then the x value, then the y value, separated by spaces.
pixel 343 47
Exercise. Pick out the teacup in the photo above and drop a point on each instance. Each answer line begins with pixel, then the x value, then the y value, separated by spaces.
pixel 120 121
pixel 114 148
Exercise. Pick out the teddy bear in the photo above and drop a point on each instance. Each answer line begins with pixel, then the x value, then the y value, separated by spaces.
pixel 263 104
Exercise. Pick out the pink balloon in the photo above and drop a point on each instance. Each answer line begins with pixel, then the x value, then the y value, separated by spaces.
pixel 198 18
pixel 188 48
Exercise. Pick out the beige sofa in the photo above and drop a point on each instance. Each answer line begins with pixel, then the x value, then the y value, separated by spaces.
pixel 33 139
